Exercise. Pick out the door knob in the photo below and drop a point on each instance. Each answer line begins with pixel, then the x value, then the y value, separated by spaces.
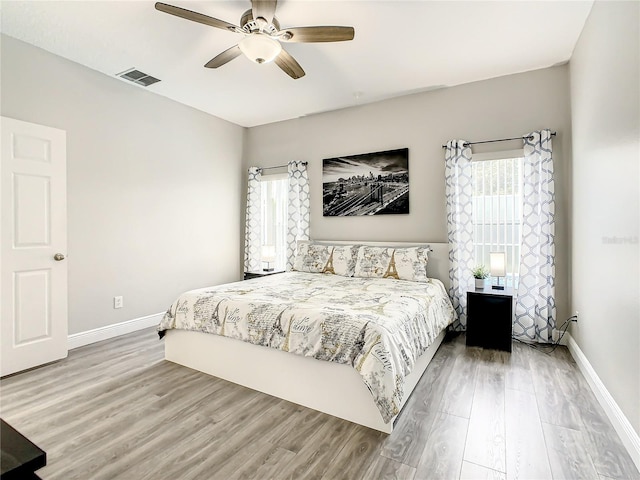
pixel 58 256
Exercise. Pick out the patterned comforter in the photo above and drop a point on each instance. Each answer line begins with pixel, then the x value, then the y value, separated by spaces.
pixel 378 326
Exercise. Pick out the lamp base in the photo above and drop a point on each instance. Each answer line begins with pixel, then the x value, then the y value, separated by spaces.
pixel 267 269
pixel 497 287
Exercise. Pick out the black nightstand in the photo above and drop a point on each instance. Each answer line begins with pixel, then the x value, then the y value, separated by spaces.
pixel 250 275
pixel 20 457
pixel 490 318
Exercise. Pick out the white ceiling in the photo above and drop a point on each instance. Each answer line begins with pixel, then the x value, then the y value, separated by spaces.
pixel 400 47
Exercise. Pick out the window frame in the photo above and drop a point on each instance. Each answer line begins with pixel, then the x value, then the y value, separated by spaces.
pixel 500 244
pixel 265 238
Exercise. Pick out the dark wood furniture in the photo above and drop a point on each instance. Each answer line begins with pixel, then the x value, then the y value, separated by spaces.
pixel 250 275
pixel 490 318
pixel 20 457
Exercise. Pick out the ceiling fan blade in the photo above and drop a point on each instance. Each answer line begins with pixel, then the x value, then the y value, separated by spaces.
pixel 317 34
pixel 195 17
pixel 263 8
pixel 289 65
pixel 226 56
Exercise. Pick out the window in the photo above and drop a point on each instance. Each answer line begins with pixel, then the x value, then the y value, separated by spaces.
pixel 497 209
pixel 274 197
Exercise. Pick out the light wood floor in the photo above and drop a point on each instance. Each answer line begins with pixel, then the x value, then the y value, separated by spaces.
pixel 117 410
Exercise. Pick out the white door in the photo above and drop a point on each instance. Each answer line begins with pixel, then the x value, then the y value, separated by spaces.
pixel 33 244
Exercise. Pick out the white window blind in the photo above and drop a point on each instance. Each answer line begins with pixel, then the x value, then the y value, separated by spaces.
pixel 274 197
pixel 497 210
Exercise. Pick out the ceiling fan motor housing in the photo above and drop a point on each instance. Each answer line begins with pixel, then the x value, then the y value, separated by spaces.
pixel 248 24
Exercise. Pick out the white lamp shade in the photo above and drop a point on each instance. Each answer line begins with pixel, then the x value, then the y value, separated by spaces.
pixel 260 48
pixel 498 264
pixel 268 253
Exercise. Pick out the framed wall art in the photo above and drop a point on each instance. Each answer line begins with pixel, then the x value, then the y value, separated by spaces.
pixel 366 184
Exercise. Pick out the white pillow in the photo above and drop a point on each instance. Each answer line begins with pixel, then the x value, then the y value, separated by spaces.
pixel 344 259
pixel 311 258
pixel 317 258
pixel 405 263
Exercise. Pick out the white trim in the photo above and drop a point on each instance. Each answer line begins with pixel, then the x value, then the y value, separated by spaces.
pixel 104 333
pixel 628 435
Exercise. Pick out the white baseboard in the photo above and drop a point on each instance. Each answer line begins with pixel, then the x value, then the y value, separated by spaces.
pixel 104 333
pixel 628 435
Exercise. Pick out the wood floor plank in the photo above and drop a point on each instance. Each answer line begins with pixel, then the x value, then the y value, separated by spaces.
pixel 294 431
pixel 563 359
pixel 526 449
pixel 141 460
pixel 602 442
pixel 518 375
pixel 317 454
pixel 120 350
pixel 471 471
pixel 62 414
pixel 265 463
pixel 567 454
pixel 362 446
pixel 245 462
pixel 486 436
pixel 554 405
pixel 383 468
pixel 442 455
pixel 178 462
pixel 236 445
pixel 461 383
pixel 144 443
pixel 411 430
pixel 146 416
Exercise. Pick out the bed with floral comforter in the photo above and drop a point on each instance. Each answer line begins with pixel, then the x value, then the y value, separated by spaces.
pixel 379 326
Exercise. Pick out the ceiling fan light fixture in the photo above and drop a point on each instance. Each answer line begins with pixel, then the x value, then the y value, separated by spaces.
pixel 260 48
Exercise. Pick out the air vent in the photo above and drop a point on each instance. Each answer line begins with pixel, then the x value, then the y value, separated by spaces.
pixel 136 76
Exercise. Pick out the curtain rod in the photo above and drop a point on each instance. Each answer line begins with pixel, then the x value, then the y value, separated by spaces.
pixel 553 134
pixel 278 166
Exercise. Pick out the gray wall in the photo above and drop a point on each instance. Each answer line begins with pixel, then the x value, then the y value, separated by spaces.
pixel 605 105
pixel 503 107
pixel 153 186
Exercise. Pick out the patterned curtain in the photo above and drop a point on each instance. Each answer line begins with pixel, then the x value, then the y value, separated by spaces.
pixel 535 300
pixel 253 230
pixel 459 192
pixel 298 208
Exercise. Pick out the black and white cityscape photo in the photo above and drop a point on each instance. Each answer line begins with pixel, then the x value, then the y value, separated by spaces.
pixel 367 184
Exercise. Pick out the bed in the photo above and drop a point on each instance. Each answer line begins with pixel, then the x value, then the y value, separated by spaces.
pixel 275 334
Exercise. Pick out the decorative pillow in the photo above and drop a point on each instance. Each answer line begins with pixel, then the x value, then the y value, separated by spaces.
pixel 335 259
pixel 344 260
pixel 311 258
pixel 406 263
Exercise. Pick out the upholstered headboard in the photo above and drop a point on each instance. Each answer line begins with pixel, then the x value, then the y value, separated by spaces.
pixel 437 266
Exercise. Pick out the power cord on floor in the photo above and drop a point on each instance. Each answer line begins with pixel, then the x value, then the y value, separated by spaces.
pixel 549 348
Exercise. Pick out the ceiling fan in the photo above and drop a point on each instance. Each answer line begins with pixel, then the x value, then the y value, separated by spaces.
pixel 262 35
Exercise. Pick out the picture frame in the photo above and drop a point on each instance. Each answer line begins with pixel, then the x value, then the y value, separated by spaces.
pixel 366 184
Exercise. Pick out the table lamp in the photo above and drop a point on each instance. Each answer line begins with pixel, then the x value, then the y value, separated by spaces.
pixel 268 256
pixel 498 268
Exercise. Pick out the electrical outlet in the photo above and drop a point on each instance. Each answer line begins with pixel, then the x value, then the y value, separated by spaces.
pixel 118 302
pixel 576 315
